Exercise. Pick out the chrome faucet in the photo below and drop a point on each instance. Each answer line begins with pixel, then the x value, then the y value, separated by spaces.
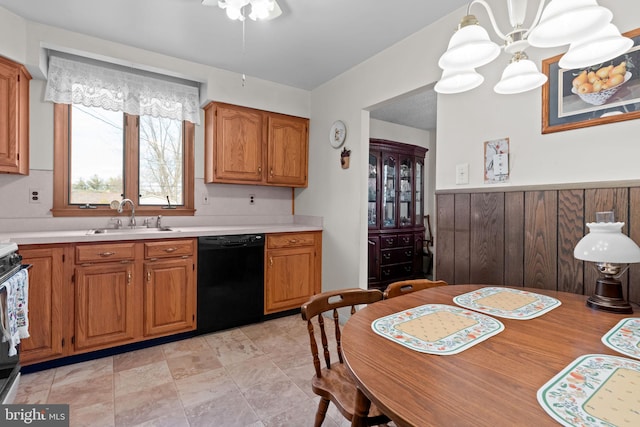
pixel 132 220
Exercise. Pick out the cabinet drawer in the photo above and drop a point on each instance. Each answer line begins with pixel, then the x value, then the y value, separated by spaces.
pixel 289 240
pixel 396 271
pixel 395 256
pixel 105 252
pixel 405 240
pixel 388 241
pixel 168 248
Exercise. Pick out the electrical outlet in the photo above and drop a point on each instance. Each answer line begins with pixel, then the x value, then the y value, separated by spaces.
pixel 34 195
pixel 252 199
pixel 205 198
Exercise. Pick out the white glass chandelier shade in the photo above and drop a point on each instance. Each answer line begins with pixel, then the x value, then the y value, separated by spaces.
pixel 469 47
pixel 602 46
pixel 457 81
pixel 605 243
pixel 520 76
pixel 567 21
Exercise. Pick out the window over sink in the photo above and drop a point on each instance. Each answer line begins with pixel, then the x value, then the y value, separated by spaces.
pixel 120 133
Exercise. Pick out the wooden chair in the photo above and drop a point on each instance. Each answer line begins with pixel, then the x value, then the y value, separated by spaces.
pixel 333 383
pixel 396 289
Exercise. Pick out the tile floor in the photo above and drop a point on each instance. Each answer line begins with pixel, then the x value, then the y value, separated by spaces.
pixel 255 375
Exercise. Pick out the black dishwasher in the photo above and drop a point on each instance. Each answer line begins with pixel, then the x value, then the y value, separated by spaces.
pixel 230 281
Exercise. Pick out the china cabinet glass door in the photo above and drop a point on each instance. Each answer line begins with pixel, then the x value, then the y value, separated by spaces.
pixel 406 190
pixel 389 177
pixel 419 196
pixel 372 205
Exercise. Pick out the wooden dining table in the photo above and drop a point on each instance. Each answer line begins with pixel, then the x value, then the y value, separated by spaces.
pixel 493 383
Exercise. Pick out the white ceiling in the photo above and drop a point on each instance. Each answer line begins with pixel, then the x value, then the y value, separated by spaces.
pixel 312 41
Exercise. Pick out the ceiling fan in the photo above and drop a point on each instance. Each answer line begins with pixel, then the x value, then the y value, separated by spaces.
pixel 261 10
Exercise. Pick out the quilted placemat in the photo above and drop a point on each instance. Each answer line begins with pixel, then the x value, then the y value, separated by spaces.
pixel 594 390
pixel 625 337
pixel 437 328
pixel 507 302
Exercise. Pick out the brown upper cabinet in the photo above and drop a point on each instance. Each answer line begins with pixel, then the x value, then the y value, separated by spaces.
pixel 14 117
pixel 249 146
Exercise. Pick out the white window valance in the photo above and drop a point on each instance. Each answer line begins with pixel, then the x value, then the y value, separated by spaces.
pixel 72 81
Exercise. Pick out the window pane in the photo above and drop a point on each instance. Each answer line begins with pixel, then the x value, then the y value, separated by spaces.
pixel 96 156
pixel 161 161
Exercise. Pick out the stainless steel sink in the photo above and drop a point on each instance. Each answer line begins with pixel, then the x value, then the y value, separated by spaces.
pixel 127 230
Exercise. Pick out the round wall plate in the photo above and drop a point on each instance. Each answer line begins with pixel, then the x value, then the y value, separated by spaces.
pixel 337 134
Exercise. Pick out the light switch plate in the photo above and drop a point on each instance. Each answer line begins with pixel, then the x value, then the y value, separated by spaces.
pixel 462 174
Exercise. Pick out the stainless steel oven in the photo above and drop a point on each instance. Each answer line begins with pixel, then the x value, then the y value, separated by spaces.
pixel 10 265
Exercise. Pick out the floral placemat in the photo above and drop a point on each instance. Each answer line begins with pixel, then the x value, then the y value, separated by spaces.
pixel 625 337
pixel 594 390
pixel 437 328
pixel 507 302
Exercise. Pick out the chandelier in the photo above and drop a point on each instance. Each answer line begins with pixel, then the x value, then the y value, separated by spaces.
pixel 582 24
pixel 235 9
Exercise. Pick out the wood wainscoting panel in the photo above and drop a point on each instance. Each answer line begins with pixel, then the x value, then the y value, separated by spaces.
pixel 571 229
pixel 540 247
pixel 462 238
pixel 514 238
pixel 445 226
pixel 487 239
pixel 527 236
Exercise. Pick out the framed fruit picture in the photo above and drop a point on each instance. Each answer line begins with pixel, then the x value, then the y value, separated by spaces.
pixel 601 93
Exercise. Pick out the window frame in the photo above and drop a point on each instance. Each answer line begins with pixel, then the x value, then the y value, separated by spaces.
pixel 62 207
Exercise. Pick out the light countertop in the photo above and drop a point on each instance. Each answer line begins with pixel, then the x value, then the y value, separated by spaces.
pixel 72 236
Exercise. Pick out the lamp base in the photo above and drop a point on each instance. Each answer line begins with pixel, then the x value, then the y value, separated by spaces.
pixel 608 297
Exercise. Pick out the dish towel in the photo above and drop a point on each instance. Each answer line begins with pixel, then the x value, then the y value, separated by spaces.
pixel 15 322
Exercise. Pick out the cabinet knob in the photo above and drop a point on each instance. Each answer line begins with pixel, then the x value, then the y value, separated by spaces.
pixel 271 172
pixel 270 261
pixel 259 169
pixel 293 241
pixel 169 250
pixel 148 276
pixel 128 277
pixel 106 254
pixel 386 256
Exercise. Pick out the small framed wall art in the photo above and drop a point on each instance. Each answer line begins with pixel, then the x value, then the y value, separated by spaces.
pixel 496 161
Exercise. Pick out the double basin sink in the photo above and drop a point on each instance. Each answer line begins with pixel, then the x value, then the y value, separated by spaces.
pixel 128 230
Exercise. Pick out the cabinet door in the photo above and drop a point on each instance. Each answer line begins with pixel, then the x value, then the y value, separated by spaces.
pixel 287 150
pixel 46 319
pixel 291 277
pixel 169 297
pixel 373 242
pixel 236 153
pixel 389 210
pixel 104 305
pixel 373 184
pixel 14 118
pixel 419 191
pixel 405 193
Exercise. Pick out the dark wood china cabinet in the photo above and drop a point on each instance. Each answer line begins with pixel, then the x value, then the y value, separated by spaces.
pixel 395 211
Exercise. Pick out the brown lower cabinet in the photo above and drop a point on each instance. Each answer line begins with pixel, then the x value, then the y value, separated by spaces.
pixel 86 297
pixel 47 302
pixel 292 270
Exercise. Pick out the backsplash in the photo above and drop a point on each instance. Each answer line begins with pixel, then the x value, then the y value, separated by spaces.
pixel 227 204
